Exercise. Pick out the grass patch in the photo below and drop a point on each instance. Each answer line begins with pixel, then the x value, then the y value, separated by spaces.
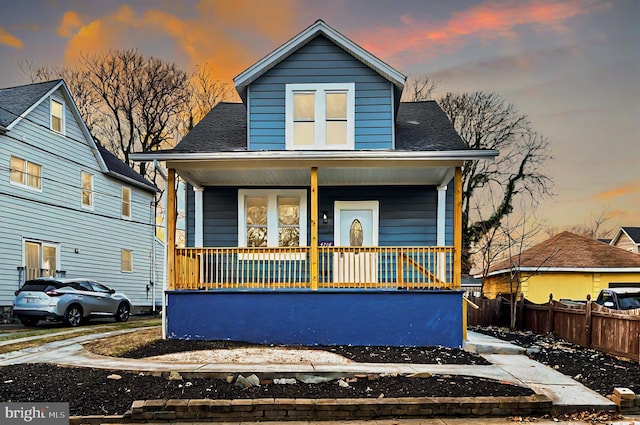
pixel 88 330
pixel 117 345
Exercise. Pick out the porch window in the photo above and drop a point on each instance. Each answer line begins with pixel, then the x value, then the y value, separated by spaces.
pixel 126 202
pixel 320 116
pixel 87 190
pixel 272 218
pixel 25 173
pixel 57 116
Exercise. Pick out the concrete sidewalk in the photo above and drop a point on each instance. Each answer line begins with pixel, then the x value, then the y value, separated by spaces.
pixel 514 367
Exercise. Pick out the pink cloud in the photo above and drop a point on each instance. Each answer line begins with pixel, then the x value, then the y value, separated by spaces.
pixel 10 40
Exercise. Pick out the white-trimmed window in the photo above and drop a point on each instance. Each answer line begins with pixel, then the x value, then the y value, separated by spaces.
pixel 57 116
pixel 87 190
pixel 25 173
pixel 41 259
pixel 272 218
pixel 126 260
pixel 320 116
pixel 126 202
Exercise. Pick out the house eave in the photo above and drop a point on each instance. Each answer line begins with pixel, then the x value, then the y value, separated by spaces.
pixel 462 155
pixel 133 182
pixel 564 270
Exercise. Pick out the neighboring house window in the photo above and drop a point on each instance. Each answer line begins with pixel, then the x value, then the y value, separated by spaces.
pixel 40 259
pixel 57 116
pixel 87 190
pixel 126 260
pixel 126 202
pixel 25 173
pixel 272 218
pixel 320 116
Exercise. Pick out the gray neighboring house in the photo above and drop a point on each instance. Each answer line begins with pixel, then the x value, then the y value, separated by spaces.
pixel 68 206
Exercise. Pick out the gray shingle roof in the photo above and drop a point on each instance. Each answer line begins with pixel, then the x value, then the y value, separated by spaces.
pixel 420 126
pixel 633 232
pixel 117 166
pixel 16 100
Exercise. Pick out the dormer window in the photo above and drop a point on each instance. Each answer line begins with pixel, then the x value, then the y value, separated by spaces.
pixel 320 116
pixel 57 116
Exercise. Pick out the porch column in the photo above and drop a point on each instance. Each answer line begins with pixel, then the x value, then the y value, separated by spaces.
pixel 197 191
pixel 171 228
pixel 457 228
pixel 440 231
pixel 314 228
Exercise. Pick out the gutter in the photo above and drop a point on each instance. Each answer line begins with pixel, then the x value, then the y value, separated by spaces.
pixel 466 155
pixel 566 269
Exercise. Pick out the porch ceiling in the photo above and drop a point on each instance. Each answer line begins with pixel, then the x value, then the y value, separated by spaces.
pixel 283 172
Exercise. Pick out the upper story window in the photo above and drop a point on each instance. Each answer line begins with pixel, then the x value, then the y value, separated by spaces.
pixel 25 173
pixel 126 260
pixel 87 190
pixel 126 202
pixel 320 116
pixel 272 218
pixel 57 116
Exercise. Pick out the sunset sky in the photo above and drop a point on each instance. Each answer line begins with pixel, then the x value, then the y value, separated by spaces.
pixel 572 66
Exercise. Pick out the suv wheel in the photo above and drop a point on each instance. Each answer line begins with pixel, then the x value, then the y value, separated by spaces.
pixel 73 316
pixel 122 315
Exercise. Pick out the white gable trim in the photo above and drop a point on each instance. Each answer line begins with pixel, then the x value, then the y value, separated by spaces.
pixel 319 27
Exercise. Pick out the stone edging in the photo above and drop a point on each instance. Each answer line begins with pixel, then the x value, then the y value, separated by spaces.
pixel 323 409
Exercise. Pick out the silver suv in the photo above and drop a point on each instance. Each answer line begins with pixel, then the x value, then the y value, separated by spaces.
pixel 73 301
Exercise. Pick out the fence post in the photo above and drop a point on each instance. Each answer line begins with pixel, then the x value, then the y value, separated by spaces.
pixel 587 321
pixel 550 318
pixel 521 313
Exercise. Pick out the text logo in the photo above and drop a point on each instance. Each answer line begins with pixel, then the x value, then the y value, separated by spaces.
pixel 34 413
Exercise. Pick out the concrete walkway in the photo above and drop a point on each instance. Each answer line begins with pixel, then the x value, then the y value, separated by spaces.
pixel 507 364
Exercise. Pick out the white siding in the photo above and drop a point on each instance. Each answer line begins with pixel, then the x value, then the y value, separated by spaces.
pixel 55 214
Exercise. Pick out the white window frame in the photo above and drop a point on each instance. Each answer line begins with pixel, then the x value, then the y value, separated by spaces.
pixel 272 214
pixel 82 189
pixel 320 91
pixel 43 245
pixel 25 174
pixel 122 251
pixel 62 118
pixel 123 203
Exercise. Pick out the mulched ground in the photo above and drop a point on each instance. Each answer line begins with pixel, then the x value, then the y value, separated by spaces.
pixel 91 392
pixel 593 369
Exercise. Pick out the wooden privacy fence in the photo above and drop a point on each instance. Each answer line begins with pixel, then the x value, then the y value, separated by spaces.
pixel 587 324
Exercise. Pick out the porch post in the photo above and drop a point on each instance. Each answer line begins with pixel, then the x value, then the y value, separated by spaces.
pixel 314 228
pixel 440 231
pixel 171 228
pixel 457 228
pixel 197 192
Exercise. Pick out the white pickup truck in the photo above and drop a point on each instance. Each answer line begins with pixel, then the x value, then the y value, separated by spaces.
pixel 619 298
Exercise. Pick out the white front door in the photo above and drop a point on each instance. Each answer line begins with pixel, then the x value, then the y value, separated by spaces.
pixel 356 225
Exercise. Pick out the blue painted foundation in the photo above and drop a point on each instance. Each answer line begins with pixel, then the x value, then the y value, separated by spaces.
pixel 325 317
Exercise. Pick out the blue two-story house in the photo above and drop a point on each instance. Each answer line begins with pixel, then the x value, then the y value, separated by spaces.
pixel 321 209
pixel 68 206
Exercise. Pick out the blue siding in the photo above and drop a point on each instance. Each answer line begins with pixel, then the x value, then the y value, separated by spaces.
pixel 321 61
pixel 408 215
pixel 395 318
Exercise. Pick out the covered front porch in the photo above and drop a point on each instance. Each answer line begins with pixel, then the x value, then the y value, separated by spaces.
pixel 329 290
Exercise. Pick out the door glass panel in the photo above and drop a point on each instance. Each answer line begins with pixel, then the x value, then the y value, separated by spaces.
pixel 32 260
pixel 256 221
pixel 355 233
pixel 288 221
pixel 49 263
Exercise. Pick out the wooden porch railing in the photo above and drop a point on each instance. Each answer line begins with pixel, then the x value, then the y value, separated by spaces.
pixel 338 267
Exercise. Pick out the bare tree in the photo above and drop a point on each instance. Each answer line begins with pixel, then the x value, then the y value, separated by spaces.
pixel 487 121
pixel 205 93
pixel 418 88
pixel 595 228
